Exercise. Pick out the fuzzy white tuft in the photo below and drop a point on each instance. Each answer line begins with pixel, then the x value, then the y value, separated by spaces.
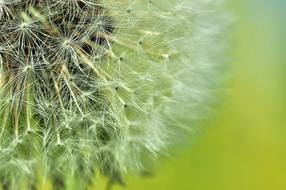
pixel 88 84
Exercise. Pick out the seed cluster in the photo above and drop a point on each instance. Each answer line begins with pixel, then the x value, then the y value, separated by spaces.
pixel 100 86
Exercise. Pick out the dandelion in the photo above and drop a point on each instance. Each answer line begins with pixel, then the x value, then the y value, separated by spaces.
pixel 89 85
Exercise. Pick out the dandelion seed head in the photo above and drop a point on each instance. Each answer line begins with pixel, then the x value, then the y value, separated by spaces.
pixel 92 86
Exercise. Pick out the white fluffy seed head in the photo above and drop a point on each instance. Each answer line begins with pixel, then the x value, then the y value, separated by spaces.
pixel 92 85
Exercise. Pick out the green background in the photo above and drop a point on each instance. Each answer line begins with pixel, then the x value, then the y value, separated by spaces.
pixel 243 147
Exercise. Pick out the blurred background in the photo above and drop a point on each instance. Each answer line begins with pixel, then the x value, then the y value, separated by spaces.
pixel 243 147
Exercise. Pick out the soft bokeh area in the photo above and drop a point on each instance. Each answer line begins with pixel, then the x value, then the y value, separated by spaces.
pixel 243 147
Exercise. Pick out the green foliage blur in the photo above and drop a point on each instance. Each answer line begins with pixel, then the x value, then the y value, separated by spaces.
pixel 243 147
